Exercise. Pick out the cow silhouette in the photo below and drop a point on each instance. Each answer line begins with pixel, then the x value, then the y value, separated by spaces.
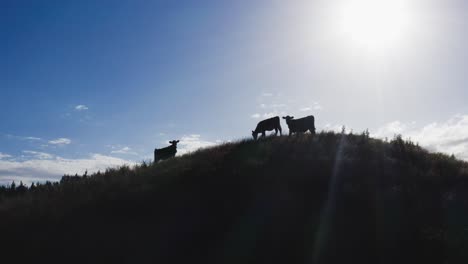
pixel 167 152
pixel 267 125
pixel 300 125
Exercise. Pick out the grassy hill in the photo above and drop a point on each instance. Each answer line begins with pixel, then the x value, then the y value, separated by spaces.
pixel 329 198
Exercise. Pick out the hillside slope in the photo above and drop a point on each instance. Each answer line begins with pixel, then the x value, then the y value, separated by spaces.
pixel 329 198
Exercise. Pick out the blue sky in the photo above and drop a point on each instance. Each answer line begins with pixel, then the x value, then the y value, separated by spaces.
pixel 92 84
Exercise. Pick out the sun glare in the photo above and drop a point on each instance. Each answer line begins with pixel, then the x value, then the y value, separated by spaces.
pixel 374 24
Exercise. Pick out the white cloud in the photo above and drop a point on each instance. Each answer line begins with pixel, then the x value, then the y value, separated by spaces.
pixel 81 108
pixel 267 94
pixel 23 138
pixel 60 141
pixel 255 116
pixel 38 155
pixel 450 137
pixel 32 138
pixel 315 106
pixel 192 143
pixel 4 156
pixel 268 114
pixel 265 106
pixel 391 129
pixel 35 169
pixel 125 151
pixel 333 127
pixel 273 114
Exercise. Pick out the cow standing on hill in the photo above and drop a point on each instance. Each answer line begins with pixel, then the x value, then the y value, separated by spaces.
pixel 300 125
pixel 167 152
pixel 267 125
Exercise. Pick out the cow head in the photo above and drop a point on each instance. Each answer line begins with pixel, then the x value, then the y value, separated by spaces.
pixel 254 135
pixel 287 118
pixel 174 142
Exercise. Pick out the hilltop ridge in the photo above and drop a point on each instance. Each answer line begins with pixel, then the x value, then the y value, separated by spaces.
pixel 328 198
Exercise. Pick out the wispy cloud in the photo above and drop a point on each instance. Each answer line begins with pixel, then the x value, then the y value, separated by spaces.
pixel 32 138
pixel 267 94
pixel 125 151
pixel 23 138
pixel 38 155
pixel 191 143
pixel 333 127
pixel 273 114
pixel 449 137
pixel 4 156
pixel 60 141
pixel 81 108
pixel 315 106
pixel 393 128
pixel 255 116
pixel 270 106
pixel 268 114
pixel 41 142
pixel 36 169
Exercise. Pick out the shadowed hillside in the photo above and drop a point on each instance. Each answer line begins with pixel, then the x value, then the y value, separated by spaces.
pixel 329 198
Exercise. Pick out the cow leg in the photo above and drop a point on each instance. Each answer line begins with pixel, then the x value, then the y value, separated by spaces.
pixel 279 128
pixel 263 134
pixel 276 131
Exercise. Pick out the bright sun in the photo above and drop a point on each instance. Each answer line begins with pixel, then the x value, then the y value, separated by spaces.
pixel 374 24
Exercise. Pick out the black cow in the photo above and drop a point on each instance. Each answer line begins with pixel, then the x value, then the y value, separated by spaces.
pixel 300 125
pixel 267 125
pixel 167 152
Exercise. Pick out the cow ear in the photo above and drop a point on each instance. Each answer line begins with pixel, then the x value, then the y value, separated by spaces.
pixel 284 117
pixel 177 141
